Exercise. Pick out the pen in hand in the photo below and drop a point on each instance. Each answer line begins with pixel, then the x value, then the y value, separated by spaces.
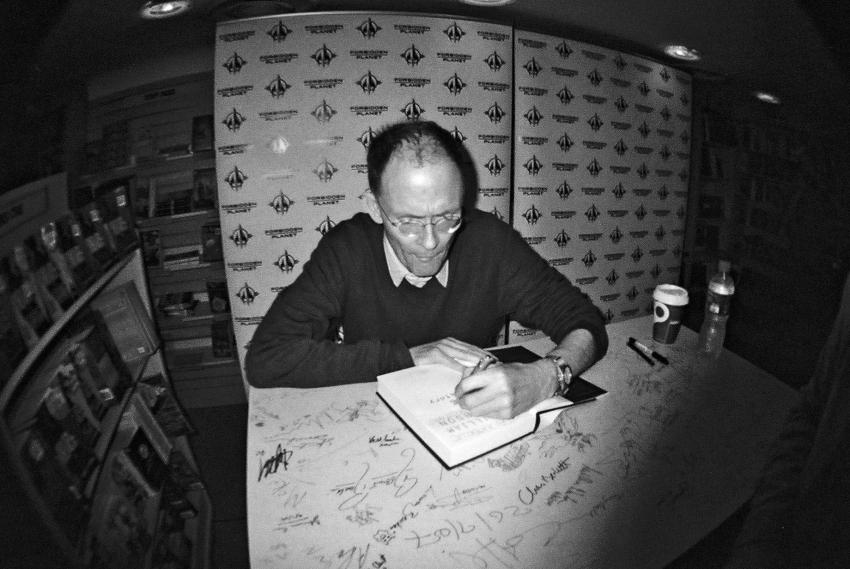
pixel 483 363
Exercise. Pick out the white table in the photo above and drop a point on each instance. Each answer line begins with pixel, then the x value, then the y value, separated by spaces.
pixel 631 480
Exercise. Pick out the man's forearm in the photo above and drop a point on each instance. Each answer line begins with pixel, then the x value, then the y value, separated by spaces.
pixel 578 348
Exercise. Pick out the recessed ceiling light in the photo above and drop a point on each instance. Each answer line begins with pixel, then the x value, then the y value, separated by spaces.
pixel 767 97
pixel 154 9
pixel 682 52
pixel 487 2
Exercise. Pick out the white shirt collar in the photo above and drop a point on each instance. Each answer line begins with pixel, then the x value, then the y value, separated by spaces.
pixel 398 271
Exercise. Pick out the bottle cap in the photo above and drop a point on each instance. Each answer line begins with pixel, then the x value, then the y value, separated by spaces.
pixel 723 266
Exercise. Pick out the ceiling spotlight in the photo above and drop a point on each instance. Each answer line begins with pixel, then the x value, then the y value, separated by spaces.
pixel 487 2
pixel 766 97
pixel 154 9
pixel 682 52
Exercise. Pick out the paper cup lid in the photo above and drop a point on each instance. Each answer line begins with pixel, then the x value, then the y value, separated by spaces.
pixel 671 294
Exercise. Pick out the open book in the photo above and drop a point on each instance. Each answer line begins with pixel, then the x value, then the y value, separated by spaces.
pixel 423 398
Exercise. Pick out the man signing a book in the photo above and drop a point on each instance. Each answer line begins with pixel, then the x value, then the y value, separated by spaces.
pixel 424 278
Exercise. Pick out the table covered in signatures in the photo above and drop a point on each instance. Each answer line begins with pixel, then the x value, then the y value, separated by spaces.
pixel 633 479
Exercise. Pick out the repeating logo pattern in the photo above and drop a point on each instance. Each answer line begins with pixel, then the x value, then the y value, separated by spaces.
pixel 603 139
pixel 598 144
pixel 298 100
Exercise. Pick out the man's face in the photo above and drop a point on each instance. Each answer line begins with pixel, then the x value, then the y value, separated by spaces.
pixel 422 192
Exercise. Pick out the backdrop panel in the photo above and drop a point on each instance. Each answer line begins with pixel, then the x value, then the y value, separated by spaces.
pixel 298 98
pixel 601 165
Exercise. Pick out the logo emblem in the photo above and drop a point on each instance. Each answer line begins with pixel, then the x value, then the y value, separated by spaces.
pixel 286 262
pixel 532 215
pixel 324 112
pixel 621 104
pixel 533 166
pixel 643 88
pixel 233 120
pixel 589 259
pixel 644 130
pixel 240 236
pixel 457 135
pixel 620 62
pixel 612 277
pixel 494 61
pixel 234 63
pixel 684 99
pixel 592 213
pixel 366 138
pixel 561 239
pixel 495 113
pixel 564 190
pixel 368 82
pixel 565 143
pixel 640 212
pixel 595 122
pixel 637 254
pixel 620 147
pixel 643 171
pixel 454 32
pixel 665 113
pixel 412 56
pixel 454 84
pixel 325 171
pixel 563 50
pixel 325 226
pixel 594 168
pixel 565 96
pixel 532 67
pixel 665 153
pixel 279 31
pixel 323 56
pixel 235 179
pixel 533 116
pixel 281 203
pixel 665 74
pixel 660 233
pixel 616 235
pixel 595 78
pixel 412 110
pixel 247 294
pixel 656 271
pixel 619 191
pixel 495 166
pixel 369 29
pixel 278 87
pixel 633 293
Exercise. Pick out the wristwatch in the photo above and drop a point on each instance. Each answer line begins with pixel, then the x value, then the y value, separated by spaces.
pixel 565 374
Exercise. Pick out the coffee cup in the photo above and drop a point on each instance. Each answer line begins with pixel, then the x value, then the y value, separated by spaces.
pixel 669 302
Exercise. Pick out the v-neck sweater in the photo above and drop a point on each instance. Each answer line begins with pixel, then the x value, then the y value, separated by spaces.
pixel 495 275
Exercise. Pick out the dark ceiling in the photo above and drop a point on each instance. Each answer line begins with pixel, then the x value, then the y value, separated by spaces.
pixel 799 48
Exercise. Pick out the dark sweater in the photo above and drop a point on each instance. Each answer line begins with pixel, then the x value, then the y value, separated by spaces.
pixel 493 274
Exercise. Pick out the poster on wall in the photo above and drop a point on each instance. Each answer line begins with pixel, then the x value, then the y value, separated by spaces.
pixel 299 97
pixel 601 165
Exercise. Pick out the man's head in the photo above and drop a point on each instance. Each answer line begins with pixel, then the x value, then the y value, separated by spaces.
pixel 417 192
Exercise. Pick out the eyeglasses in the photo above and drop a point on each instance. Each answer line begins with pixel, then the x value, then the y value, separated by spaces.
pixel 412 227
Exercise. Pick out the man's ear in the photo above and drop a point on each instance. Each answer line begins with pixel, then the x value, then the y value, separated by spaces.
pixel 372 207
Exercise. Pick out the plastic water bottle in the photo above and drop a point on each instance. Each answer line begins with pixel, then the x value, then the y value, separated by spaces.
pixel 721 287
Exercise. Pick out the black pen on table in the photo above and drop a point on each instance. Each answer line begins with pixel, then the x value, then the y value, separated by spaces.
pixel 647 352
pixel 639 352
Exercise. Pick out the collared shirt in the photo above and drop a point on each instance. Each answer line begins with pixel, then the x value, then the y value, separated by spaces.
pixel 398 271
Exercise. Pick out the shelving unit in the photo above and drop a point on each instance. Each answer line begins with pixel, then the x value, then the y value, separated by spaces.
pixel 760 199
pixel 158 139
pixel 80 543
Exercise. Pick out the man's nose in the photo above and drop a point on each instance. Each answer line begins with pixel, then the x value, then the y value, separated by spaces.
pixel 430 239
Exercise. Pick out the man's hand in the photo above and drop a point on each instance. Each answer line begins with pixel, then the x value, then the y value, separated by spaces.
pixel 450 352
pixel 504 391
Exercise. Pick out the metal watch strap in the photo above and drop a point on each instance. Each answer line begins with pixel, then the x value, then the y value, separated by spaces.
pixel 565 373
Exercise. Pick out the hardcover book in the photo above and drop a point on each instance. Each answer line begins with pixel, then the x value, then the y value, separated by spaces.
pixel 423 398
